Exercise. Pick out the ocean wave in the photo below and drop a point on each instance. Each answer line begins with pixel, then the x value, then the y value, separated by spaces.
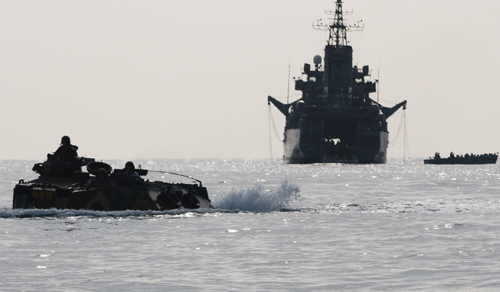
pixel 416 206
pixel 57 213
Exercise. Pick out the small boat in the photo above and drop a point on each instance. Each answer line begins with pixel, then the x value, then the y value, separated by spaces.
pixel 487 158
pixel 63 185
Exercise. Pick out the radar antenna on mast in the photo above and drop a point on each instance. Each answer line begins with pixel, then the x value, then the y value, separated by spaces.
pixel 338 30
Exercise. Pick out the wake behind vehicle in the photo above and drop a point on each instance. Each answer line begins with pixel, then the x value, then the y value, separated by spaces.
pixel 62 185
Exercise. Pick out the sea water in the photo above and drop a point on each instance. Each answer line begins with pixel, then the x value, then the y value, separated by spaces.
pixel 402 226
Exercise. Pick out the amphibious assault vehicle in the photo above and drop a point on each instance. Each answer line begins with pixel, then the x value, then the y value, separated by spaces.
pixel 62 185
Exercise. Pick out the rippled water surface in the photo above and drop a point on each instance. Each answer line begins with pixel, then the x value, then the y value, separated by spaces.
pixel 394 227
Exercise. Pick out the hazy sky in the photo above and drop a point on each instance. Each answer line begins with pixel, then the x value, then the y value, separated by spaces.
pixel 190 79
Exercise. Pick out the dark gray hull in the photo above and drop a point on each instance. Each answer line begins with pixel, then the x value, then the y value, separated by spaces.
pixel 46 193
pixel 486 159
pixel 82 190
pixel 297 152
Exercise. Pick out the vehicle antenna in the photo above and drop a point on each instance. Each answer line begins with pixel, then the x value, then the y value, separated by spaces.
pixel 173 173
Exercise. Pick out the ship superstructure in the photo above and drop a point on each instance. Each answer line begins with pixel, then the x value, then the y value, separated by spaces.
pixel 335 120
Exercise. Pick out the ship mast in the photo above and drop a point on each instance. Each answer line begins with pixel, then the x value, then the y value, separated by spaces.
pixel 338 31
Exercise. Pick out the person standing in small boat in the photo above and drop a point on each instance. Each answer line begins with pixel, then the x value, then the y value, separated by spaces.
pixel 66 152
pixel 130 170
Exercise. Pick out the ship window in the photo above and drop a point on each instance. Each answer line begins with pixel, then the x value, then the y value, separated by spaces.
pixel 312 79
pixel 358 80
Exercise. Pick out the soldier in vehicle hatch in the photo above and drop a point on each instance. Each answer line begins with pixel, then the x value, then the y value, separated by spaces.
pixel 65 159
pixel 66 152
pixel 130 170
pixel 102 174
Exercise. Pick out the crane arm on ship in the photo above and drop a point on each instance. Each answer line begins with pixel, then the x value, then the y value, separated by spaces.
pixel 388 111
pixel 283 108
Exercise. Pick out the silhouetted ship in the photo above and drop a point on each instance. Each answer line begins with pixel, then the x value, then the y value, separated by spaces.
pixel 335 120
pixel 487 158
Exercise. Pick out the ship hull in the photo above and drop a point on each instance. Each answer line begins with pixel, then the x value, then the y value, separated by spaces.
pixel 486 159
pixel 371 148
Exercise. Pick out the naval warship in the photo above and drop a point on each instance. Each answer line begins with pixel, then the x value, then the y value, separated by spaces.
pixel 335 120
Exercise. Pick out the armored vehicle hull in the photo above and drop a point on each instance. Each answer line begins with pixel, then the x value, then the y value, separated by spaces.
pixel 81 190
